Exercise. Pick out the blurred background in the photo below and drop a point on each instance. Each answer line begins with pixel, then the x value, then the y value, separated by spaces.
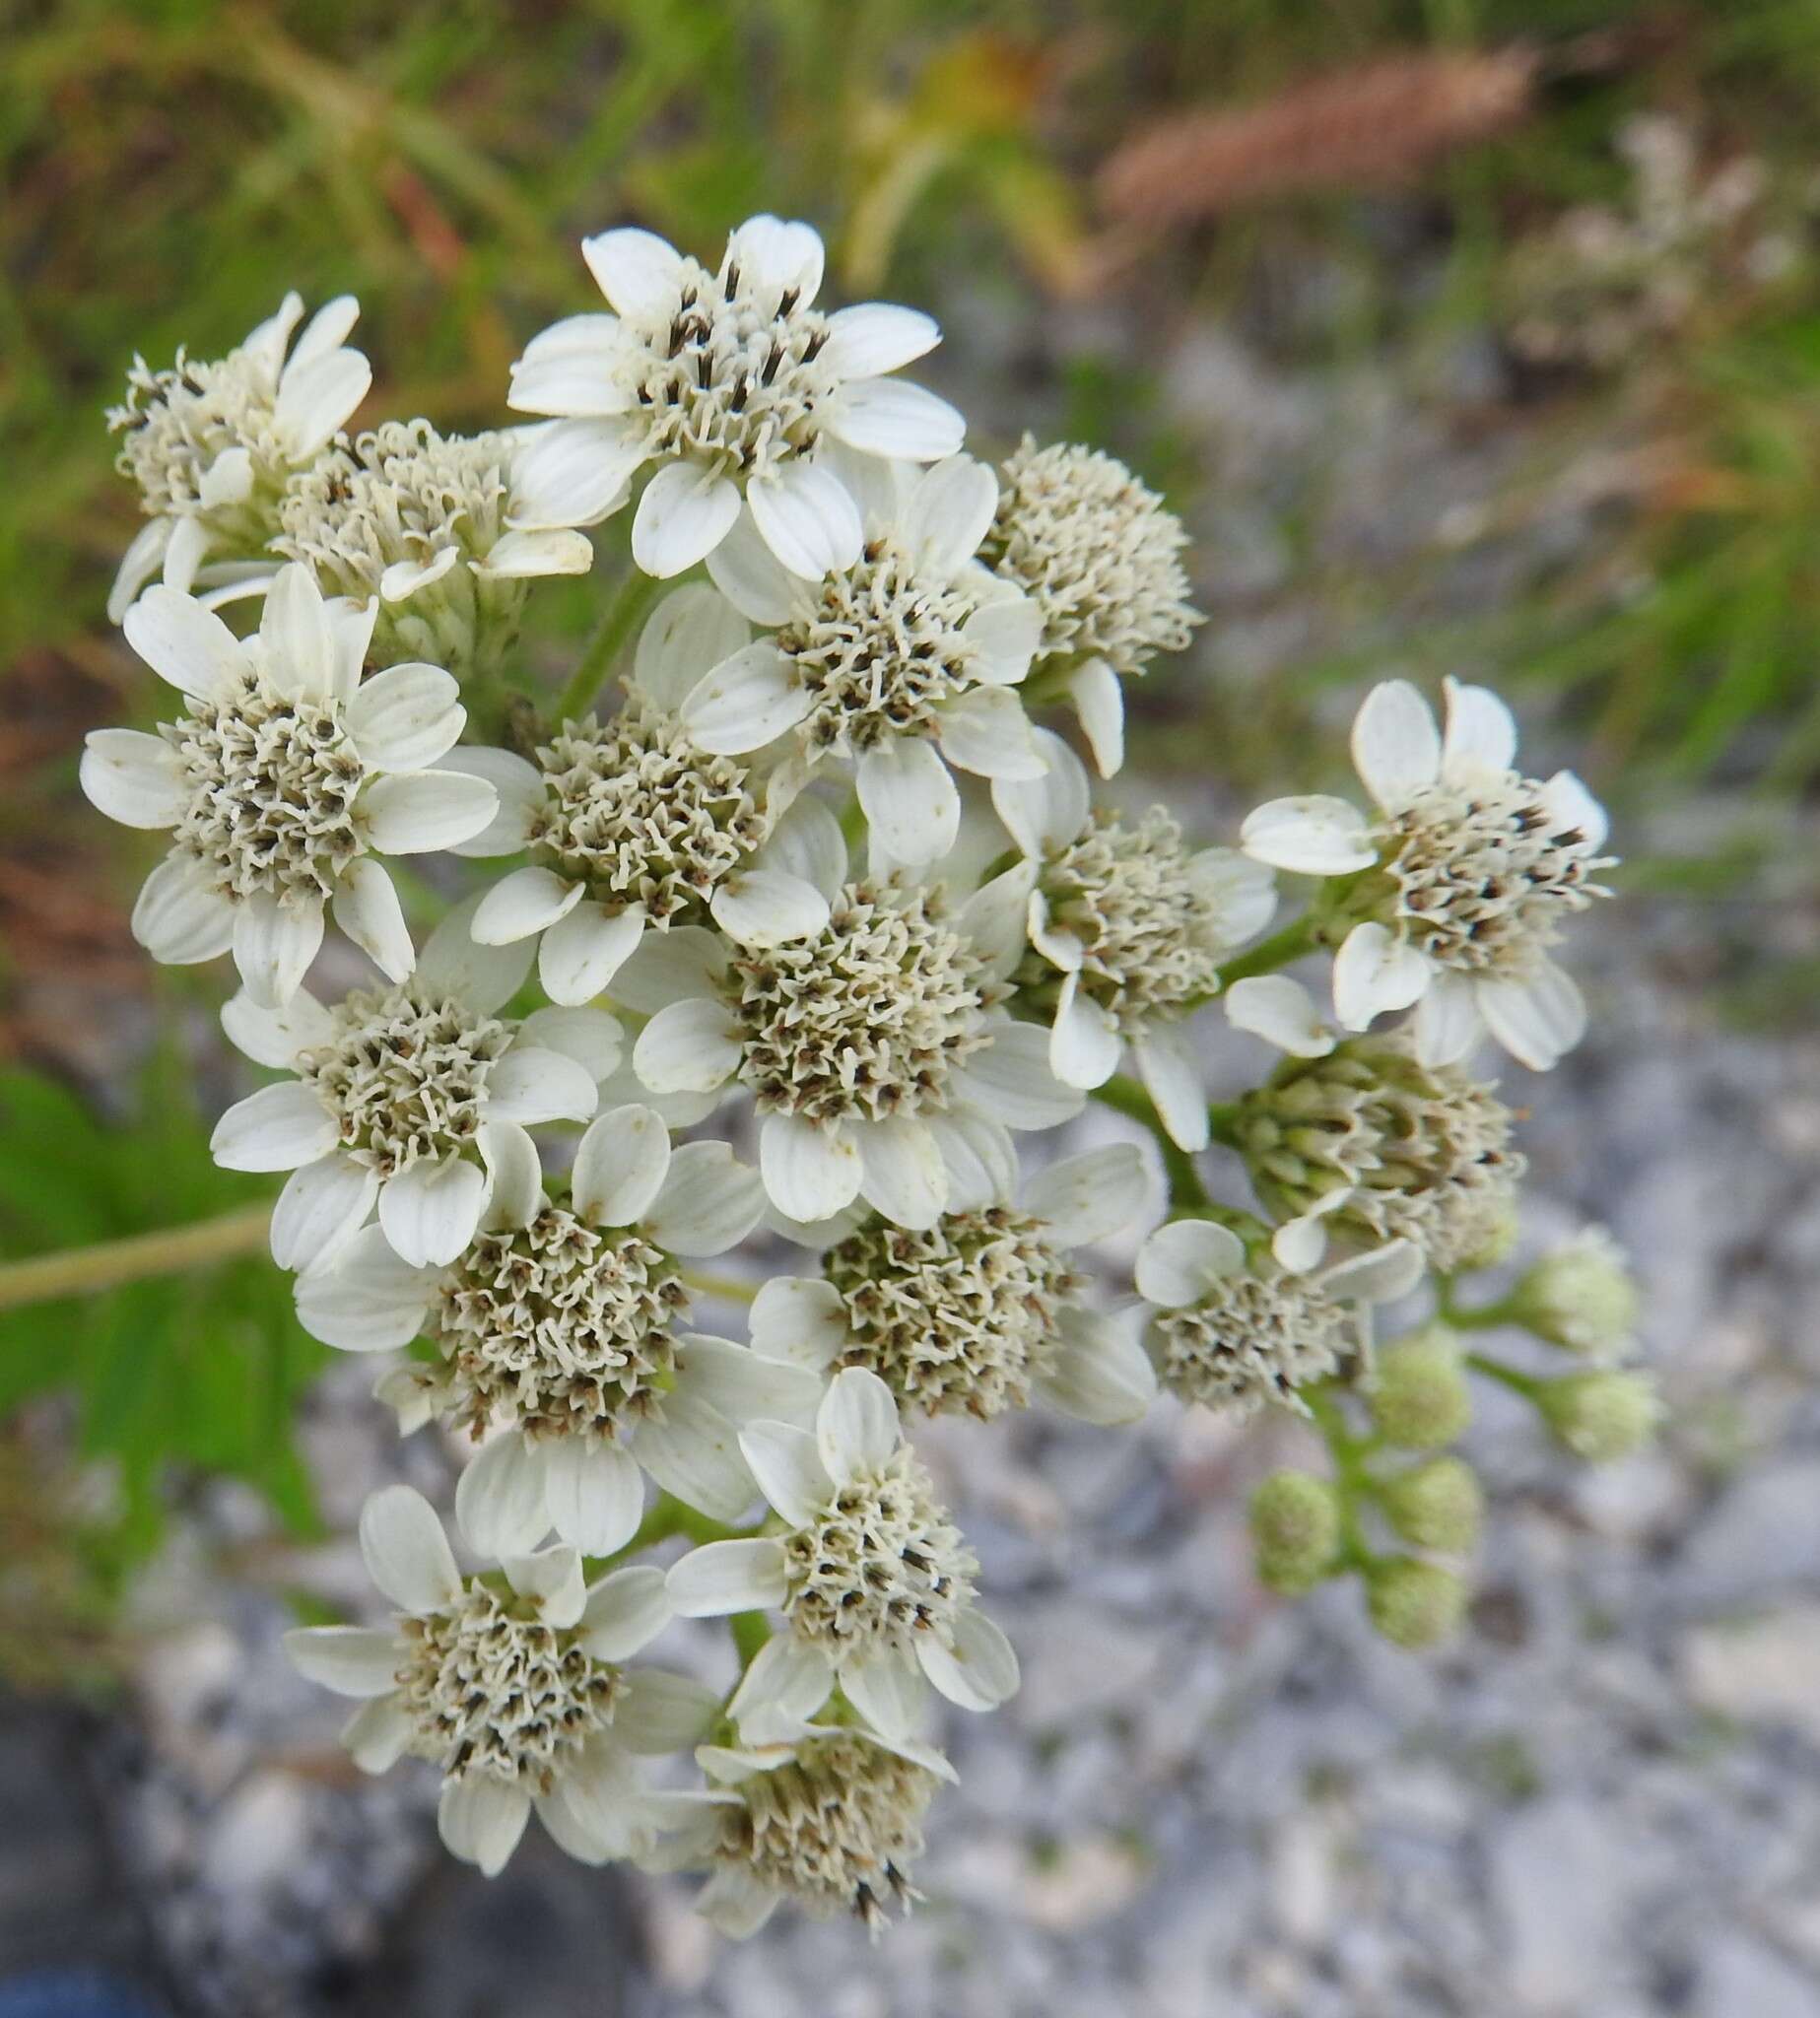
pixel 1468 336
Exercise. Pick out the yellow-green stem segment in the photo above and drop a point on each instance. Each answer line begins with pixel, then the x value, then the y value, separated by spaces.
pixel 88 1271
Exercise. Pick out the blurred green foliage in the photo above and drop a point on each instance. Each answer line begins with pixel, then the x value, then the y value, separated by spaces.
pixel 200 1371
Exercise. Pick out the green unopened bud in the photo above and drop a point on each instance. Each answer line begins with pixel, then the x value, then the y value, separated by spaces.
pixel 1601 1416
pixel 1295 1531
pixel 1436 1505
pixel 1416 1152
pixel 1492 1237
pixel 1420 1399
pixel 1581 1297
pixel 1414 1603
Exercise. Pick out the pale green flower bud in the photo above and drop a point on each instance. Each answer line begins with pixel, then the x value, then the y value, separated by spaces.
pixel 1422 1153
pixel 1601 1416
pixel 1494 1239
pixel 1295 1531
pixel 1414 1603
pixel 1581 1297
pixel 1439 1504
pixel 1420 1398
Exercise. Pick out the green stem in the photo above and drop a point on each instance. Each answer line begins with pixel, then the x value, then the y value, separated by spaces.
pixel 728 1288
pixel 87 1271
pixel 1351 1474
pixel 1127 1097
pixel 1486 1318
pixel 1302 935
pixel 1525 1384
pixel 635 595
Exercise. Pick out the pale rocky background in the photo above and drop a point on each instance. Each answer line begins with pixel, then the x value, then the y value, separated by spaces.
pixel 1603 1802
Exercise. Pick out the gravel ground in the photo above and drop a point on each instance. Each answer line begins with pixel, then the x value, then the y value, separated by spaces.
pixel 1603 1802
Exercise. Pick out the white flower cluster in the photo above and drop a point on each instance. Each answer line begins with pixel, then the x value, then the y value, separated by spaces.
pixel 815 873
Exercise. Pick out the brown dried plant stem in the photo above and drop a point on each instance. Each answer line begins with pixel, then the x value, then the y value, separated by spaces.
pixel 1369 128
pixel 88 1271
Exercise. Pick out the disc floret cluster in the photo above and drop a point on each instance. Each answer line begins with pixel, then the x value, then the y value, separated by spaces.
pixel 773 949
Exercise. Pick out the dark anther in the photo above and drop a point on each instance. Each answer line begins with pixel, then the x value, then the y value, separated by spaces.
pixel 771 364
pixel 788 300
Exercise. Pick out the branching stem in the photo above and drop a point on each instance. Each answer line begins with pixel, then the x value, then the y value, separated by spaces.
pixel 1301 935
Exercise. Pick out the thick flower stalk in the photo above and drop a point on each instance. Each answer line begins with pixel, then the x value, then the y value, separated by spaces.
pixel 763 965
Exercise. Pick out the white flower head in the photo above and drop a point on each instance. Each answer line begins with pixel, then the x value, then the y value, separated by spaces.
pixel 1114 933
pixel 413 522
pixel 903 659
pixel 1473 868
pixel 864 1044
pixel 971 1313
pixel 211 445
pixel 564 1325
pixel 631 827
pixel 284 778
pixel 874 1581
pixel 511 1684
pixel 828 1819
pixel 1101 558
pixel 408 1098
pixel 1233 1329
pixel 729 381
pixel 1363 1141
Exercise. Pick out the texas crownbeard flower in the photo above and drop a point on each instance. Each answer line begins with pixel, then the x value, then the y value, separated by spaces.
pixel 1232 1330
pixel 1472 870
pixel 903 660
pixel 510 1683
pixel 828 1819
pixel 875 1582
pixel 285 777
pixel 633 827
pixel 972 1312
pixel 211 445
pixel 414 522
pixel 753 858
pixel 407 1097
pixel 728 381
pixel 565 1327
pixel 1358 1139
pixel 1099 557
pixel 864 1044
pixel 1114 934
